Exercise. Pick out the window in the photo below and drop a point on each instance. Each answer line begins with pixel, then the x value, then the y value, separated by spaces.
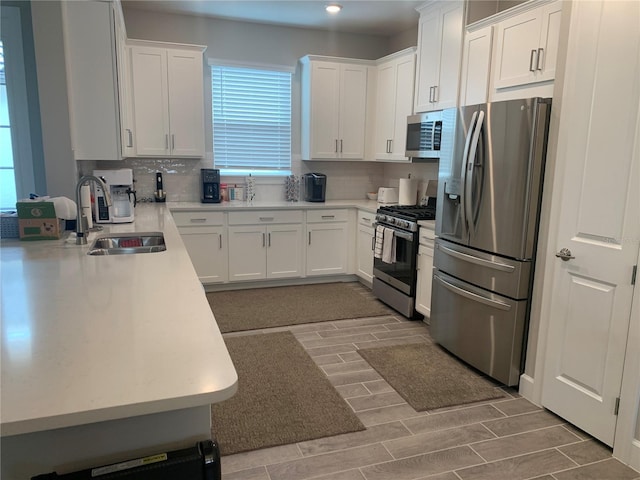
pixel 251 120
pixel 7 179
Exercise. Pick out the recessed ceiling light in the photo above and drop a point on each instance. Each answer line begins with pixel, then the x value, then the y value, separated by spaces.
pixel 333 8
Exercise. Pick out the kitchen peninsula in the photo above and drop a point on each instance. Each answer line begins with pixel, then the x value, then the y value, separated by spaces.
pixel 105 358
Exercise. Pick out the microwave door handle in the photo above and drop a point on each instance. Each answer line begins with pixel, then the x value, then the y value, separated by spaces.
pixel 463 171
pixel 468 181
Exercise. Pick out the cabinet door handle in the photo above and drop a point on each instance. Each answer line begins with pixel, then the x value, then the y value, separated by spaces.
pixel 387 147
pixel 539 59
pixel 173 142
pixel 130 137
pixel 336 146
pixel 266 219
pixel 269 239
pixel 263 240
pixel 197 220
pixel 430 94
pixel 435 94
pixel 366 219
pixel 531 68
pixel 373 243
pixel 391 146
pixel 327 217
pixel 220 240
pixel 340 145
pixel 309 238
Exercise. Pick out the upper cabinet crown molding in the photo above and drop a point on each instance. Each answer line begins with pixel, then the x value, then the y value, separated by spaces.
pixel 153 43
pixel 396 55
pixel 506 14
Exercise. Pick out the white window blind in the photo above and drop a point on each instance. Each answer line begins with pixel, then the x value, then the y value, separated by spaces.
pixel 251 119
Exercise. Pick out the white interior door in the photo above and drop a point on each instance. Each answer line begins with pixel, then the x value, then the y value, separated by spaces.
pixel 598 141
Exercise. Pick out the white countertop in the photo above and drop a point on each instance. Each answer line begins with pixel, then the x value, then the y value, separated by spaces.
pixel 369 205
pixel 93 338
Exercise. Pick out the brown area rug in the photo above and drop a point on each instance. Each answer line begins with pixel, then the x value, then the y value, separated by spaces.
pixel 428 377
pixel 283 397
pixel 240 310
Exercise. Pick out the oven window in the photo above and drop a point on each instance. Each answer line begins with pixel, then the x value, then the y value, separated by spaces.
pixel 404 269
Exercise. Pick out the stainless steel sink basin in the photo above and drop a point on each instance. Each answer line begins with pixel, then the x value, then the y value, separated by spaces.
pixel 128 243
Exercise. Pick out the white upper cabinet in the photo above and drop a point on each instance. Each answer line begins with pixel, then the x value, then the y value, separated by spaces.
pixel 527 47
pixel 124 83
pixel 168 99
pixel 394 103
pixel 96 62
pixel 334 109
pixel 476 65
pixel 440 32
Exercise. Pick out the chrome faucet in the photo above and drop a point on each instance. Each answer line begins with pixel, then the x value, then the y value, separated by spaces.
pixel 81 219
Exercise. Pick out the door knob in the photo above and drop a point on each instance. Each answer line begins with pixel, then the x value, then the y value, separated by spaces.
pixel 565 254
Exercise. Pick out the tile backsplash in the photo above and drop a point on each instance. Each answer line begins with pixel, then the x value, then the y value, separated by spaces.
pixel 345 180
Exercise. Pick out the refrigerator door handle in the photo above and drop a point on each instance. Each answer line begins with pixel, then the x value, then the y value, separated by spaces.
pixel 463 169
pixel 468 186
pixel 478 261
pixel 472 296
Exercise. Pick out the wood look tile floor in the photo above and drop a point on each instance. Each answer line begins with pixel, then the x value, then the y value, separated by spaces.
pixel 504 439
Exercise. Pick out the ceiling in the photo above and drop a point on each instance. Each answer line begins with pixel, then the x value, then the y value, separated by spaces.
pixel 375 17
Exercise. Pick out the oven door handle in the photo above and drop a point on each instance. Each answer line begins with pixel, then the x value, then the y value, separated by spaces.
pixel 472 296
pixel 398 233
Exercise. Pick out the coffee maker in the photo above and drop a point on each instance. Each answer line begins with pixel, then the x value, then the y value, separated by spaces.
pixel 123 196
pixel 209 185
pixel 315 187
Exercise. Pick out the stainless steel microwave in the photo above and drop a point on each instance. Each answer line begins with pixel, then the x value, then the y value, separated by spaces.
pixel 424 134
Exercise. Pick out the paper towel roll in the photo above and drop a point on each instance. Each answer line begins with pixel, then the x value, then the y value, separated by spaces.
pixel 408 193
pixel 85 203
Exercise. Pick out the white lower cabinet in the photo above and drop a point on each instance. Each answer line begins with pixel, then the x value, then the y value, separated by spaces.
pixel 205 236
pixel 365 236
pixel 425 272
pixel 207 248
pixel 265 250
pixel 327 242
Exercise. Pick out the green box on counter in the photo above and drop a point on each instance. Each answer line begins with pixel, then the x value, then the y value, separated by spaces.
pixel 38 221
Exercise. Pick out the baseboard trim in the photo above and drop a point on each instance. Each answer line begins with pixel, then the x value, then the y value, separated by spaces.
pixel 527 387
pixel 221 287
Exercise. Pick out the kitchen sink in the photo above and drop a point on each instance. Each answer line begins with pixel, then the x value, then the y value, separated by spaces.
pixel 128 243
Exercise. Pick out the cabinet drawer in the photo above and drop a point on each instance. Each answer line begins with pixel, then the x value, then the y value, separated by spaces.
pixel 365 218
pixel 265 217
pixel 319 216
pixel 197 218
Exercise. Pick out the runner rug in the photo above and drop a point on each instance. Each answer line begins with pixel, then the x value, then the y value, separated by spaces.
pixel 257 308
pixel 283 397
pixel 428 377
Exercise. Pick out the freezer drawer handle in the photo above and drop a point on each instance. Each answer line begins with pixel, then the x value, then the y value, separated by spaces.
pixel 478 261
pixel 473 296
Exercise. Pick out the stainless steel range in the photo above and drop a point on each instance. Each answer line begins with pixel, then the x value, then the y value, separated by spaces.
pixel 395 255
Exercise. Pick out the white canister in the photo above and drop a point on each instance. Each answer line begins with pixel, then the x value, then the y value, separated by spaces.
pixel 408 194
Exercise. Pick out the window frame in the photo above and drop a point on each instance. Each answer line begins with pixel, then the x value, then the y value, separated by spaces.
pixel 254 170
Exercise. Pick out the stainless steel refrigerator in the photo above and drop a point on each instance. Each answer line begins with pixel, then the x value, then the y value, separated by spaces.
pixel 489 193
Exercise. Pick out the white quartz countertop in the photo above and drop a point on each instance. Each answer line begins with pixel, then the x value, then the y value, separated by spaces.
pixel 369 205
pixel 94 338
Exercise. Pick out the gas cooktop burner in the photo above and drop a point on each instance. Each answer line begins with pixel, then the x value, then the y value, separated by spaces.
pixel 410 212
